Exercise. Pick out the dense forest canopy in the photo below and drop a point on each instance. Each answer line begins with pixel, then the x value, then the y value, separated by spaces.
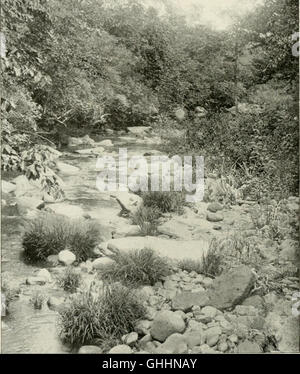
pixel 79 66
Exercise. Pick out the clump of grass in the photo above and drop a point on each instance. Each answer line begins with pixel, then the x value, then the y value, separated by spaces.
pixel 164 202
pixel 139 267
pixel 210 265
pixel 70 280
pixel 147 218
pixel 96 318
pixel 37 300
pixel 49 234
pixel 190 265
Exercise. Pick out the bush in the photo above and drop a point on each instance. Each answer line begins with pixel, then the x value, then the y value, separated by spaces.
pixel 101 316
pixel 49 234
pixel 147 219
pixel 140 267
pixel 37 300
pixel 164 202
pixel 70 280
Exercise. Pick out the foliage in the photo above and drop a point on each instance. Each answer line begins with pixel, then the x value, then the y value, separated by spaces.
pixel 70 280
pixel 139 267
pixel 100 315
pixel 164 202
pixel 147 219
pixel 49 234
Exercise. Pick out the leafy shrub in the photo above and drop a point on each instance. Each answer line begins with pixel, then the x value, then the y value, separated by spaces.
pixel 100 316
pixel 140 267
pixel 147 219
pixel 49 234
pixel 164 202
pixel 70 280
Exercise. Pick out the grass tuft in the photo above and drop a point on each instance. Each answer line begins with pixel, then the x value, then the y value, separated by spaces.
pixel 100 317
pixel 139 267
pixel 164 202
pixel 147 219
pixel 70 280
pixel 49 234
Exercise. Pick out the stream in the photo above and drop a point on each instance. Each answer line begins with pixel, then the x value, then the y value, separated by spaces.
pixel 25 329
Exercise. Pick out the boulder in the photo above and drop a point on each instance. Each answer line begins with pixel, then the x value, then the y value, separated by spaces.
pixel 165 324
pixel 7 187
pixel 289 250
pixel 90 349
pixel 102 261
pixel 186 300
pixel 55 303
pixel 121 349
pixel 231 288
pixel 35 281
pixel 194 338
pixel 66 257
pixel 172 249
pixel 26 187
pixel 175 229
pixel 66 168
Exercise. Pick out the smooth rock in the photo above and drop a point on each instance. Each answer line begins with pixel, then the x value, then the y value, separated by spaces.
pixel 44 273
pixel 172 249
pixel 142 327
pixel 214 207
pixel 105 143
pixel 35 281
pixel 90 349
pixel 26 203
pixel 121 349
pixel 130 339
pixel 214 217
pixel 139 130
pixel 55 303
pixel 68 210
pixel 165 324
pixel 90 151
pixel 194 338
pixel 66 257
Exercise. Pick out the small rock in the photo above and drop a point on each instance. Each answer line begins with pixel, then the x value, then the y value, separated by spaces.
pixel 165 324
pixel 142 327
pixel 214 207
pixel 222 347
pixel 122 349
pixel 35 281
pixel 90 349
pixel 53 260
pixel 44 273
pixel 194 337
pixel 130 339
pixel 214 217
pixel 66 257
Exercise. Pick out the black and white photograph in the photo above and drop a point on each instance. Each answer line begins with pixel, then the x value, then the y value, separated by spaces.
pixel 149 180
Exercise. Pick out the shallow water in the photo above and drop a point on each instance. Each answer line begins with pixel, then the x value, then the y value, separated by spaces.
pixel 28 330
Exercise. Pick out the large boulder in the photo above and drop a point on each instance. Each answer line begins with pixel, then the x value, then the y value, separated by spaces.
pixel 165 324
pixel 172 249
pixel 231 288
